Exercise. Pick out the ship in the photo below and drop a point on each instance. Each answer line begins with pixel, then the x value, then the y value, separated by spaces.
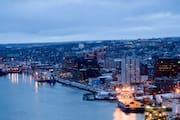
pixel 14 70
pixel 101 95
pixel 3 72
pixel 45 78
pixel 128 104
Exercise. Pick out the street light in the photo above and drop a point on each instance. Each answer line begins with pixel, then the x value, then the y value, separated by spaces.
pixel 177 90
pixel 117 89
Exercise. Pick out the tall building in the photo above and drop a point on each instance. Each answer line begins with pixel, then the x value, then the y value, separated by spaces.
pixel 130 70
pixel 167 67
pixel 81 68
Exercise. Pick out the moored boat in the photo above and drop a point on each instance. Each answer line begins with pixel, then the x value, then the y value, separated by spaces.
pixel 14 70
pixel 53 81
pixel 3 72
pixel 99 96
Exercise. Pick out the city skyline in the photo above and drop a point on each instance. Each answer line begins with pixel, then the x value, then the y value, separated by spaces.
pixel 71 20
pixel 127 80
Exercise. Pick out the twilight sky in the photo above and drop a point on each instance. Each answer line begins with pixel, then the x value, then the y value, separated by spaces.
pixel 67 20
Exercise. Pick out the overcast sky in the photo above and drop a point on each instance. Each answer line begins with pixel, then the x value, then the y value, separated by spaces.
pixel 68 20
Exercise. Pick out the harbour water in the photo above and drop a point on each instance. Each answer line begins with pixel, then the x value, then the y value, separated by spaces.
pixel 23 99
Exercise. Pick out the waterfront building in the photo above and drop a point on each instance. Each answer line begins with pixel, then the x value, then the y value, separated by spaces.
pixel 167 67
pixel 165 84
pixel 100 54
pixel 144 78
pixel 143 69
pixel 82 68
pixel 130 70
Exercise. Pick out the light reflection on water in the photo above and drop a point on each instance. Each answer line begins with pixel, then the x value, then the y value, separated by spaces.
pixel 38 84
pixel 36 87
pixel 30 79
pixel 15 78
pixel 119 115
pixel 176 108
pixel 40 97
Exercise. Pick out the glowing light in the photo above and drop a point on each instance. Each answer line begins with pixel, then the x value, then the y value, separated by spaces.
pixel 132 89
pixel 36 73
pixel 126 89
pixel 36 87
pixel 117 89
pixel 14 78
pixel 147 107
pixel 177 90
pixel 163 107
pixel 24 77
pixel 119 115
pixel 30 79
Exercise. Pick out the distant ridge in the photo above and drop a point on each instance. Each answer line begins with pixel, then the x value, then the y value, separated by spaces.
pixel 90 41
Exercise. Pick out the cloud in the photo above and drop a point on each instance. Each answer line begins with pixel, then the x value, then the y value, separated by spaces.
pixel 57 20
pixel 154 16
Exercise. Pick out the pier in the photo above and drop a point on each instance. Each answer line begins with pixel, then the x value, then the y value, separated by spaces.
pixel 96 93
pixel 129 104
pixel 78 85
pixel 51 82
pixel 126 101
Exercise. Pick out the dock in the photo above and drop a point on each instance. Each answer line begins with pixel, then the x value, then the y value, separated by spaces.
pixel 137 107
pixel 128 103
pixel 95 93
pixel 134 107
pixel 99 96
pixel 47 81
pixel 164 96
pixel 78 85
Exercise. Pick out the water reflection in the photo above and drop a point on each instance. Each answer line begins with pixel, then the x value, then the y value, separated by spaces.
pixel 24 77
pixel 176 106
pixel 119 115
pixel 38 84
pixel 14 77
pixel 30 79
pixel 36 87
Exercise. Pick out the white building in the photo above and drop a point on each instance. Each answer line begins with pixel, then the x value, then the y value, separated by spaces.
pixel 130 70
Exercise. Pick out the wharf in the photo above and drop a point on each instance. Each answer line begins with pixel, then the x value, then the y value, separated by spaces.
pixel 164 96
pixel 137 107
pixel 47 81
pixel 96 93
pixel 78 85
pixel 134 107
